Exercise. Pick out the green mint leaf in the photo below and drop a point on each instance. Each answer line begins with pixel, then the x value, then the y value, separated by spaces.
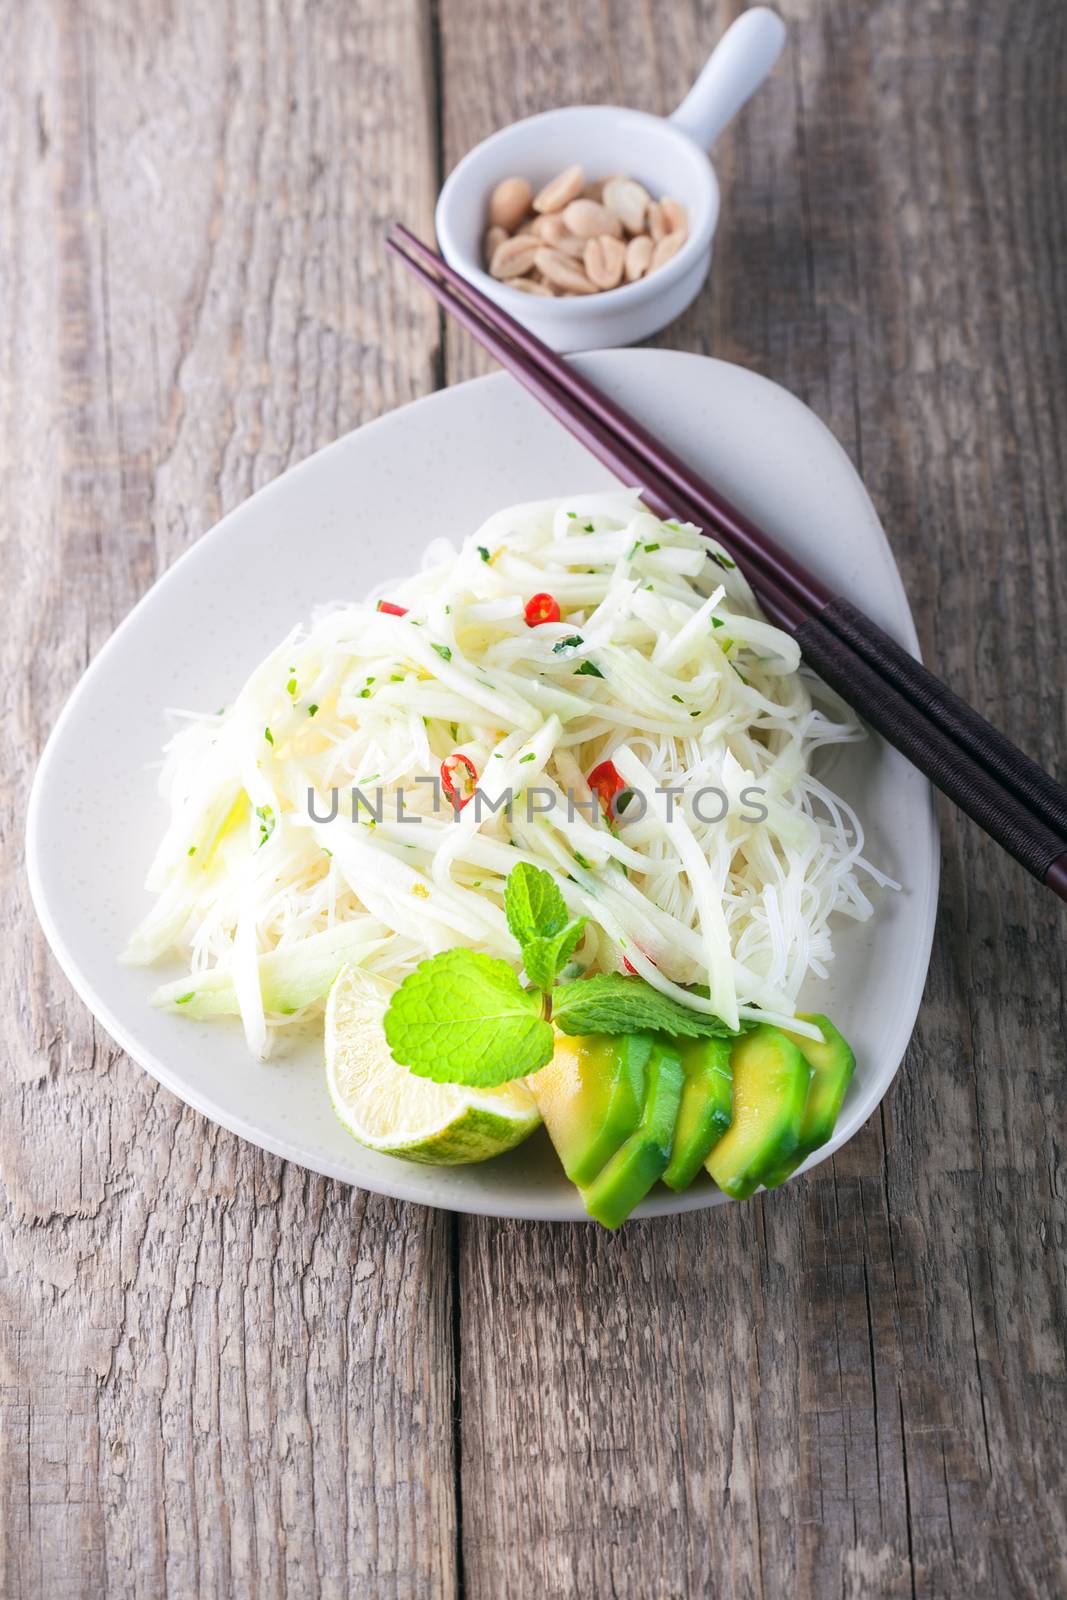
pixel 544 958
pixel 533 905
pixel 462 1017
pixel 611 1003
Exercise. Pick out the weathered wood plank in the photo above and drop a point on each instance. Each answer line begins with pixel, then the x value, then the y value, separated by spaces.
pixel 218 1375
pixel 851 1387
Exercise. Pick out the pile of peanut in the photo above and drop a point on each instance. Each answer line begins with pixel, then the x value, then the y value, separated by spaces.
pixel 576 238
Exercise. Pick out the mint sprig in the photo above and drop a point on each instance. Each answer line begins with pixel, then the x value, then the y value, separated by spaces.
pixel 462 1017
pixel 545 958
pixel 533 905
pixel 612 1003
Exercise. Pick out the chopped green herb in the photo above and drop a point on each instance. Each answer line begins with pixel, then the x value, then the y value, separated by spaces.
pixel 364 694
pixel 650 547
pixel 312 709
pixel 483 552
pixel 717 622
pixel 678 698
pixel 396 677
pixel 290 687
pixel 675 525
pixel 443 651
pixel 183 999
pixel 582 862
pixel 694 713
pixel 528 757
pixel 327 852
pixel 266 824
pixel 572 514
pixel 588 669
pixel 569 643
pixel 589 527
pixel 268 735
pixel 634 548
pixel 191 850
pixel 723 561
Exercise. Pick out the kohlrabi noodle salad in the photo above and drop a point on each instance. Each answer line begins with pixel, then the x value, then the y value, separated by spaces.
pixel 579 687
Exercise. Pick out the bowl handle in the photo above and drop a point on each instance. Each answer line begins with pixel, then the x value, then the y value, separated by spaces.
pixel 735 69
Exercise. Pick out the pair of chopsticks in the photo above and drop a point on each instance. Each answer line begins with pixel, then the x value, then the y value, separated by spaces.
pixel 1013 799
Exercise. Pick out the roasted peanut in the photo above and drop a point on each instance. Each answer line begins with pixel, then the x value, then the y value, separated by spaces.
pixel 509 203
pixel 638 255
pixel 561 191
pixel 563 272
pixel 588 220
pixel 629 201
pixel 666 250
pixel 515 256
pixel 604 258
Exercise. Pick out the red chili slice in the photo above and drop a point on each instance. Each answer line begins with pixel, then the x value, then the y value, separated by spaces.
pixel 541 608
pixel 392 610
pixel 605 783
pixel 449 766
pixel 631 968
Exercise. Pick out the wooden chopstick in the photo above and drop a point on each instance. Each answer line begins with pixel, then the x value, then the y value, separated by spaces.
pixel 993 750
pixel 978 791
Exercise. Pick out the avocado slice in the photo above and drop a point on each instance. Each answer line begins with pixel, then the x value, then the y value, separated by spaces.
pixel 636 1165
pixel 832 1065
pixel 706 1109
pixel 591 1095
pixel 770 1094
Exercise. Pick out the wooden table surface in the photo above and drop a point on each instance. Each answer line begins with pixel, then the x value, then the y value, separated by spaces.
pixel 222 1376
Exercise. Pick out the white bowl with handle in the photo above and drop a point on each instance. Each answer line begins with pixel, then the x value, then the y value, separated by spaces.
pixel 667 154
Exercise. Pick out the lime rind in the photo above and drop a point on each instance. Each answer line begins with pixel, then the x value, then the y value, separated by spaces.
pixel 391 1111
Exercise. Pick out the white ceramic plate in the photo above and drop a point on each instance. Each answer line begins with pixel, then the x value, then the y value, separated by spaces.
pixel 358 513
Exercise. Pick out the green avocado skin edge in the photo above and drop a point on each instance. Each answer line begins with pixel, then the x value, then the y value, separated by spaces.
pixel 770 1095
pixel 636 1166
pixel 706 1110
pixel 832 1064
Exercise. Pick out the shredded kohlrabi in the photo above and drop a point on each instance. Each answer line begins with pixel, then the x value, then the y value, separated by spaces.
pixel 660 663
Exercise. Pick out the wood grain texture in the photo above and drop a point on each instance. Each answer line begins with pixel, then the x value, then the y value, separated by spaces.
pixel 222 1376
pixel 852 1387
pixel 219 1376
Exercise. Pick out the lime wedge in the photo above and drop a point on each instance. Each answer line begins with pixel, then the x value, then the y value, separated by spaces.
pixel 388 1109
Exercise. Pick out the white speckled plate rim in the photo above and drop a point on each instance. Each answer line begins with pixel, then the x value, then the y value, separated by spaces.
pixel 480 444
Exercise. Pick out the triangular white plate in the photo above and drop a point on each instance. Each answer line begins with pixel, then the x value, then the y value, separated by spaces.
pixel 357 513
